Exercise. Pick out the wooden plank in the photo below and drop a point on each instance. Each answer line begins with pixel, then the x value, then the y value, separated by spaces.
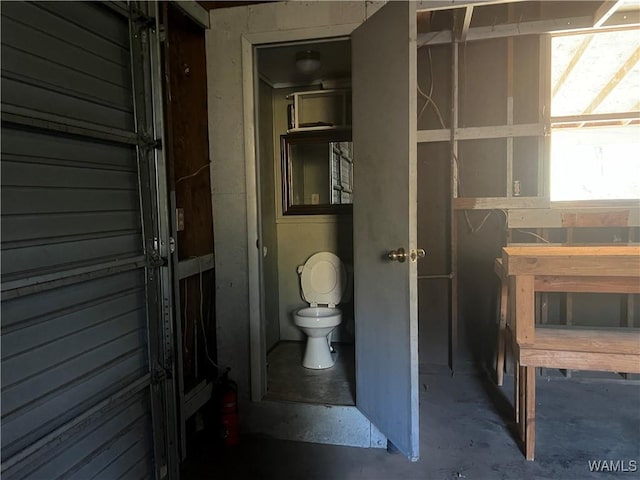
pixel 544 297
pixel 503 305
pixel 628 310
pixel 558 217
pixel 604 12
pixel 521 402
pixel 599 362
pixel 592 267
pixel 193 266
pixel 534 27
pixel 530 412
pixel 188 142
pixel 595 219
pixel 454 183
pixel 500 131
pixel 440 135
pixel 498 203
pixel 516 391
pixel 509 112
pixel 482 133
pixel 595 118
pixel 602 284
pixel 594 339
pixel 594 261
pixel 574 61
pixel 614 81
pixel 434 5
pixel 461 26
pixel 521 292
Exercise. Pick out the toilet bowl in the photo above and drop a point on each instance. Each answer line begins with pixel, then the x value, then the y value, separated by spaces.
pixel 323 279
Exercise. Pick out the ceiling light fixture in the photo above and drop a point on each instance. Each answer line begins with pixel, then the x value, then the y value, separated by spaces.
pixel 307 61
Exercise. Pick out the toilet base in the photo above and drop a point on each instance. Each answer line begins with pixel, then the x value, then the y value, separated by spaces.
pixel 317 355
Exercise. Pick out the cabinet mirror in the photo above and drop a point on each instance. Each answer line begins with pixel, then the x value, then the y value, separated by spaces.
pixel 317 173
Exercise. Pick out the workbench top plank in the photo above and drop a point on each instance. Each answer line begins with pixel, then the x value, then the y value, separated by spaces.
pixel 615 261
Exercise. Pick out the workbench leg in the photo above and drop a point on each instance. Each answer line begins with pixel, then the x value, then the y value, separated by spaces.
pixel 502 325
pixel 516 394
pixel 528 411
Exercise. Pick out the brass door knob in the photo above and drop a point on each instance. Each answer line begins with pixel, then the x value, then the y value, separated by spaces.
pixel 398 255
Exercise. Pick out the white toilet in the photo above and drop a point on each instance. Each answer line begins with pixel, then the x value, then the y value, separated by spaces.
pixel 323 279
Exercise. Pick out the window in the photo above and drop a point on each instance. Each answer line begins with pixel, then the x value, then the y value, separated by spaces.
pixel 595 119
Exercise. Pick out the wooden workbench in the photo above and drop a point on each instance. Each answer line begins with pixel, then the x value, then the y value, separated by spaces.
pixel 593 269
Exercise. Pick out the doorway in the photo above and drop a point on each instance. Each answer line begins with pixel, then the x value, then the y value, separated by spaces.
pixel 317 73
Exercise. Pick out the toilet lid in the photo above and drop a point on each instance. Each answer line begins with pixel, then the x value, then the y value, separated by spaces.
pixel 323 279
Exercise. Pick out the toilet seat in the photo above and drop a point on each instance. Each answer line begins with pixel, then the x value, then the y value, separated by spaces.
pixel 323 279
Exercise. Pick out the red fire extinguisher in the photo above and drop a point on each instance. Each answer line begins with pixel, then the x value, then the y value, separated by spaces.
pixel 229 411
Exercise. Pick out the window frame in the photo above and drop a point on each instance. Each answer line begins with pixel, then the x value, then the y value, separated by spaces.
pixel 594 118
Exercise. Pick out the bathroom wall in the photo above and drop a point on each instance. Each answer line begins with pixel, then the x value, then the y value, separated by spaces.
pixel 301 236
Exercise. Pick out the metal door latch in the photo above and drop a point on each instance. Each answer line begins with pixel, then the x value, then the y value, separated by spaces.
pixel 400 255
pixel 417 253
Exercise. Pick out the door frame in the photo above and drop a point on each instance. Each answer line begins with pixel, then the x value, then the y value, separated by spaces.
pixel 257 337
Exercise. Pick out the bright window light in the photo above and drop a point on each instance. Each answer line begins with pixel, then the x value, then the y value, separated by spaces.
pixel 595 136
pixel 595 163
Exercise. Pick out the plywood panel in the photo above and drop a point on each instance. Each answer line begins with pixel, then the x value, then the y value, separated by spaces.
pixel 188 150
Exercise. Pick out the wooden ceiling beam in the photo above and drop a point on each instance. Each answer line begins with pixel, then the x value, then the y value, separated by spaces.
pixel 433 5
pixel 614 81
pixel 604 11
pixel 534 27
pixel 465 23
pixel 574 61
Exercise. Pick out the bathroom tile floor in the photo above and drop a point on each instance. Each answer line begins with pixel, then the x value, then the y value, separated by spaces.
pixel 465 433
pixel 288 380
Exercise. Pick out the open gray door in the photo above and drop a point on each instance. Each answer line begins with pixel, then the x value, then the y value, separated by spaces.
pixel 384 217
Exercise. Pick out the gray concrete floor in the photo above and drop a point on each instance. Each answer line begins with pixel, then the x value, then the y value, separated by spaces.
pixel 288 380
pixel 465 432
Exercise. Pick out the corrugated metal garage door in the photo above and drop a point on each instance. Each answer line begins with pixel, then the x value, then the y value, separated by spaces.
pixel 79 398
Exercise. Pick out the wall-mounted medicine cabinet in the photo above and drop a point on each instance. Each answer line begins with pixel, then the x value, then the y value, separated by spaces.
pixel 317 172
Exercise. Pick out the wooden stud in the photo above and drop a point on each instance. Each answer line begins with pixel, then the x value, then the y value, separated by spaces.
pixel 509 142
pixel 453 321
pixel 544 116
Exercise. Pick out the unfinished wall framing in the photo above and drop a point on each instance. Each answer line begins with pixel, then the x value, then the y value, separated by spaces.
pixel 493 97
